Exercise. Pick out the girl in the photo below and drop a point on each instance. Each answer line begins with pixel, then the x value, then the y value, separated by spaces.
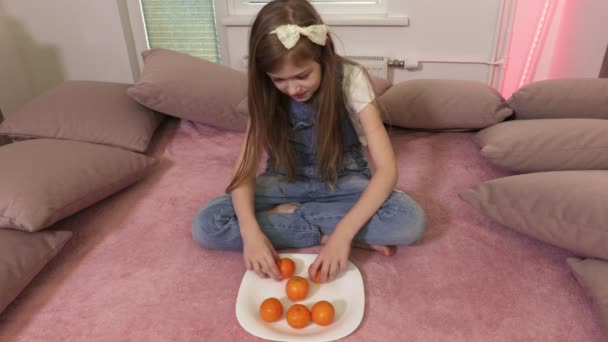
pixel 311 111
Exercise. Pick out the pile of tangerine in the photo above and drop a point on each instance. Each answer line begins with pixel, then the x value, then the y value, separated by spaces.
pixel 298 316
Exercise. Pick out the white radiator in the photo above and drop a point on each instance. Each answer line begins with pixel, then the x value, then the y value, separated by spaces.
pixel 375 65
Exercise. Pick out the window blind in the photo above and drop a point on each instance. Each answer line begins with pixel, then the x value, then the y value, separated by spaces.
pixel 186 26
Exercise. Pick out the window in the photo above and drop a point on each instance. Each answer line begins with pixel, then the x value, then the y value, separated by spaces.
pixel 187 26
pixel 250 7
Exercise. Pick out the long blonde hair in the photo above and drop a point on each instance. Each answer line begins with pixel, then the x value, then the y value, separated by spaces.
pixel 268 108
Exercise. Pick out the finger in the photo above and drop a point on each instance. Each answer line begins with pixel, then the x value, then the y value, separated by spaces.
pixel 324 272
pixel 258 270
pixel 333 270
pixel 314 267
pixel 248 265
pixel 272 269
pixel 275 255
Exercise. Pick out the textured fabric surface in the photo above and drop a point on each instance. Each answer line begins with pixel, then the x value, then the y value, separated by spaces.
pixel 89 111
pixel 565 208
pixel 133 273
pixel 562 98
pixel 22 256
pixel 546 145
pixel 592 274
pixel 45 180
pixel 443 105
pixel 192 88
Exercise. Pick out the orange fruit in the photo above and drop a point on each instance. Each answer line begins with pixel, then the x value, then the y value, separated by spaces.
pixel 296 288
pixel 287 267
pixel 316 278
pixel 271 309
pixel 298 316
pixel 323 313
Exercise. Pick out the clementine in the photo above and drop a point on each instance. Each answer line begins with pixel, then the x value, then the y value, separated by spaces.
pixel 296 288
pixel 316 278
pixel 287 267
pixel 271 309
pixel 323 313
pixel 298 316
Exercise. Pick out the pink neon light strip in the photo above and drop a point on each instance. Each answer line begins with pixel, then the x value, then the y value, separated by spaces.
pixel 534 49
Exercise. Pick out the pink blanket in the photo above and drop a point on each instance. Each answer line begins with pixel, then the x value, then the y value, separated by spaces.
pixel 133 273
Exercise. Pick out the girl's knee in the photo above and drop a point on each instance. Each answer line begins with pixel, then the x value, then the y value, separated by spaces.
pixel 417 225
pixel 212 227
pixel 407 217
pixel 203 227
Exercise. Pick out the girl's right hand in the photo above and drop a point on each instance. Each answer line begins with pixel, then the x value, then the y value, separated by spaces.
pixel 260 256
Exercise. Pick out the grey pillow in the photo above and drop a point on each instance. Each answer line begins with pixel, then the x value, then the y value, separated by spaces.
pixel 592 274
pixel 88 111
pixel 45 180
pixel 22 256
pixel 443 104
pixel 562 98
pixel 568 209
pixel 546 145
pixel 192 88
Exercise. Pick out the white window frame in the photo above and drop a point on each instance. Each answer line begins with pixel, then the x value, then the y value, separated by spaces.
pixel 331 7
pixel 138 30
pixel 140 36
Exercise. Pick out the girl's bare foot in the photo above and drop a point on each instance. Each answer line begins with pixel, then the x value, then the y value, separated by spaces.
pixel 285 208
pixel 384 250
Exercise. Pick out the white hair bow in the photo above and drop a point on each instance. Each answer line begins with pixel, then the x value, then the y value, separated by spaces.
pixel 289 34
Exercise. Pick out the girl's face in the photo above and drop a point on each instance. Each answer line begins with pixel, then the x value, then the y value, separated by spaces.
pixel 300 82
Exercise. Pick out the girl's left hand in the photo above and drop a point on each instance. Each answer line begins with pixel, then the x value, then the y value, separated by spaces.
pixel 332 259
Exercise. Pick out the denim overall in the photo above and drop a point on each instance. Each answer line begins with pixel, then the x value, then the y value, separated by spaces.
pixel 399 221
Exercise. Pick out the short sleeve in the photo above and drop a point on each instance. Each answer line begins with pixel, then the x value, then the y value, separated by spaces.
pixel 358 93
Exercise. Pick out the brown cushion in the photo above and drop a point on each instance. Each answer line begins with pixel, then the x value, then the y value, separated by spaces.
pixel 566 208
pixel 22 256
pixel 187 87
pixel 562 98
pixel 380 85
pixel 546 145
pixel 45 180
pixel 443 104
pixel 90 111
pixel 592 274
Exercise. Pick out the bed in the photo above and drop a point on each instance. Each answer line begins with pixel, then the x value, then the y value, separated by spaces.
pixel 132 272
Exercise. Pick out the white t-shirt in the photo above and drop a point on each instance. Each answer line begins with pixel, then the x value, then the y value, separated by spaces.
pixel 358 93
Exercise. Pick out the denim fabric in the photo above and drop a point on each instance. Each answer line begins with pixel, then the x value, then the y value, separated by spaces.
pixel 399 221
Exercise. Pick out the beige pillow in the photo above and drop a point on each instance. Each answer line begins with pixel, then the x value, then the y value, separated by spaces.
pixel 380 85
pixel 45 180
pixel 90 111
pixel 22 256
pixel 546 145
pixel 592 274
pixel 443 104
pixel 188 87
pixel 566 208
pixel 562 98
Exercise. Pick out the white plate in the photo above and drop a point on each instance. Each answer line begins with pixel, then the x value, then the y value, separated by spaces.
pixel 345 293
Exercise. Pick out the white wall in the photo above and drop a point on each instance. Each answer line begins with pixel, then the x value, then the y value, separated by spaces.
pixel 15 87
pixel 573 45
pixel 43 43
pixel 47 42
pixel 582 40
pixel 462 30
